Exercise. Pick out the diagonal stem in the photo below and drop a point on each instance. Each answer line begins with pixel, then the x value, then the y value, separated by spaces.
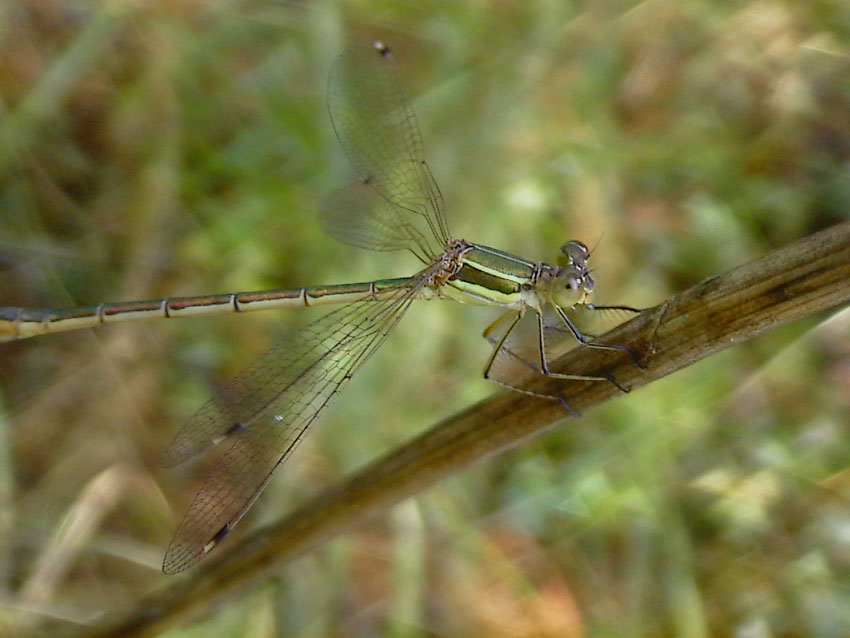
pixel 809 276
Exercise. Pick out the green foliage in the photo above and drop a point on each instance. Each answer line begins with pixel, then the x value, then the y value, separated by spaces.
pixel 168 148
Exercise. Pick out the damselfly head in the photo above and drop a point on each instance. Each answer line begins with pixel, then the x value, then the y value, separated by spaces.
pixel 572 286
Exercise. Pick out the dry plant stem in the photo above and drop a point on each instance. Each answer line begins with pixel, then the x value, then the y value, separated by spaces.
pixel 809 276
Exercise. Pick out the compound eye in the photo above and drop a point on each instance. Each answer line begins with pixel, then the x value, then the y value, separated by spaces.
pixel 576 252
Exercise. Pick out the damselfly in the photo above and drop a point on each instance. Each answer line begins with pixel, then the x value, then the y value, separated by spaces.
pixel 260 416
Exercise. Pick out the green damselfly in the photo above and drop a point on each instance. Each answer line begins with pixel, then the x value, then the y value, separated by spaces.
pixel 260 416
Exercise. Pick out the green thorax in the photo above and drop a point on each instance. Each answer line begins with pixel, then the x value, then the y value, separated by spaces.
pixel 489 275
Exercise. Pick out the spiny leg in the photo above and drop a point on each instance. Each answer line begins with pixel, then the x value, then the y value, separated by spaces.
pixel 544 364
pixel 499 346
pixel 584 340
pixel 602 309
pixel 543 367
pixel 637 311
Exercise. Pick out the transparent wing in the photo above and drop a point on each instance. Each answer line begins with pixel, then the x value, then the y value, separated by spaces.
pixel 265 413
pixel 377 128
pixel 519 358
pixel 358 215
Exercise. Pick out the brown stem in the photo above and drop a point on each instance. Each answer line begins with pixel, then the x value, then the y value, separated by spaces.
pixel 799 280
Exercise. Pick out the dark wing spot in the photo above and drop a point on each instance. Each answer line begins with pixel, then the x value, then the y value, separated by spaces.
pixel 220 535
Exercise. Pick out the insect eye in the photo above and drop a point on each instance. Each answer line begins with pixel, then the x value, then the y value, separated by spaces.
pixel 576 252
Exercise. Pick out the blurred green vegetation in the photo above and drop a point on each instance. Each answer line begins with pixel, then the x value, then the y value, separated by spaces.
pixel 181 147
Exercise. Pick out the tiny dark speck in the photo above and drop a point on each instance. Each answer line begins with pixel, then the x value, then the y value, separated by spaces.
pixel 382 49
pixel 236 427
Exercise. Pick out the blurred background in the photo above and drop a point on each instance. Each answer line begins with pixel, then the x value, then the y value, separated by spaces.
pixel 179 147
